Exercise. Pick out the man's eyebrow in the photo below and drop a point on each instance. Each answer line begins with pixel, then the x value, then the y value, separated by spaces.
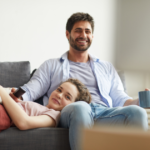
pixel 81 29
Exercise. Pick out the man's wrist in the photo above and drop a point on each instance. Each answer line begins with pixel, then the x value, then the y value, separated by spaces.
pixel 131 102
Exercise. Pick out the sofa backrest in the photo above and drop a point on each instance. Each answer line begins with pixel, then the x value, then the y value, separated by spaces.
pixel 14 74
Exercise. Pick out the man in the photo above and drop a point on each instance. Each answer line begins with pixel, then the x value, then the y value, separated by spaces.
pixel 99 76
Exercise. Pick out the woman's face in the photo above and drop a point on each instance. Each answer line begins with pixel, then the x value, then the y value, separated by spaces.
pixel 64 95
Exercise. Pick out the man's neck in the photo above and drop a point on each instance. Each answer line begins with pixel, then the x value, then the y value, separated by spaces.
pixel 76 56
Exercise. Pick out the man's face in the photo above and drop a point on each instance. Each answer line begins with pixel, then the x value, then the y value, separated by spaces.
pixel 81 36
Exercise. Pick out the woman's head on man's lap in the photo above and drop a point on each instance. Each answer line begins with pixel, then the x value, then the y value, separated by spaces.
pixel 84 94
pixel 68 92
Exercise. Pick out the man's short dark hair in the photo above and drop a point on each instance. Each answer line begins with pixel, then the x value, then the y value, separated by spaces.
pixel 76 17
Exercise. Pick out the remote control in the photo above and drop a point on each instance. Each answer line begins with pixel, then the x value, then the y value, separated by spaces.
pixel 19 92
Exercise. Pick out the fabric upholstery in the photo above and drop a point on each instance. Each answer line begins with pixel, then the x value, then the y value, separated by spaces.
pixel 35 139
pixel 14 74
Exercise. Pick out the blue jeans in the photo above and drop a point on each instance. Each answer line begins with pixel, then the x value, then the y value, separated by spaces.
pixel 82 114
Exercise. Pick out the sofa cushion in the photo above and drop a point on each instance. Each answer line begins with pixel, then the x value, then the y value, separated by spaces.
pixel 35 139
pixel 14 74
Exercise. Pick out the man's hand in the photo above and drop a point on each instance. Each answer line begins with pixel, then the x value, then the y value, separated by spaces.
pixel 14 97
pixel 147 89
pixel 133 102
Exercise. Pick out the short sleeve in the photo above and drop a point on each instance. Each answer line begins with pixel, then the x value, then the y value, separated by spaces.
pixel 53 114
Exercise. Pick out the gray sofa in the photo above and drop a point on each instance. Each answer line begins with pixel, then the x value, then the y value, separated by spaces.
pixel 15 74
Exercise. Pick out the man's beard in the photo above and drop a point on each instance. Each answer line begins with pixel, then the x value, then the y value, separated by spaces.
pixel 79 48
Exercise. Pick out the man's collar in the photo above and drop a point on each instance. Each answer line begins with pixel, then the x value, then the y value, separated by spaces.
pixel 64 56
pixel 92 57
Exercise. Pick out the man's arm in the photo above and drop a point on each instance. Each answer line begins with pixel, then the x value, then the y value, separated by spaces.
pixel 117 94
pixel 39 83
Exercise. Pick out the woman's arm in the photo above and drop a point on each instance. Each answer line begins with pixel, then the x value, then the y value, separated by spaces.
pixel 20 118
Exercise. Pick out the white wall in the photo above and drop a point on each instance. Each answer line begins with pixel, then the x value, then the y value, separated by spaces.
pixel 136 81
pixel 34 30
pixel 133 43
pixel 133 35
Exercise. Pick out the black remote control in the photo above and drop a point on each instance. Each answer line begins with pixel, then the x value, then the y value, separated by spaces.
pixel 19 92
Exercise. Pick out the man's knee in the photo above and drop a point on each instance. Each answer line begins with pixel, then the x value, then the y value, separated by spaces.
pixel 137 116
pixel 78 112
pixel 137 111
pixel 77 108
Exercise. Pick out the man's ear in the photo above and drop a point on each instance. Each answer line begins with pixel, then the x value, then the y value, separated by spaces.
pixel 67 34
pixel 92 36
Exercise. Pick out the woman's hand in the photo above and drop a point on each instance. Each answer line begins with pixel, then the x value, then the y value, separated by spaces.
pixel 13 96
pixel 10 91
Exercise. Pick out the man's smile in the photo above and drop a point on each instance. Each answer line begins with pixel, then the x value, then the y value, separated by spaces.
pixel 82 41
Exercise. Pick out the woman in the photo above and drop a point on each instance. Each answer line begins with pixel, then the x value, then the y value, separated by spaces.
pixel 28 115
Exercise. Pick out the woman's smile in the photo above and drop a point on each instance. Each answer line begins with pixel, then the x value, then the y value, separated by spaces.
pixel 55 101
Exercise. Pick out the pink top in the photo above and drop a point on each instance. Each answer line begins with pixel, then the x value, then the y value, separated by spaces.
pixel 35 109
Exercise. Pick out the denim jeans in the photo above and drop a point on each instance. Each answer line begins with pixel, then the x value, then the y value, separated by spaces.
pixel 82 114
